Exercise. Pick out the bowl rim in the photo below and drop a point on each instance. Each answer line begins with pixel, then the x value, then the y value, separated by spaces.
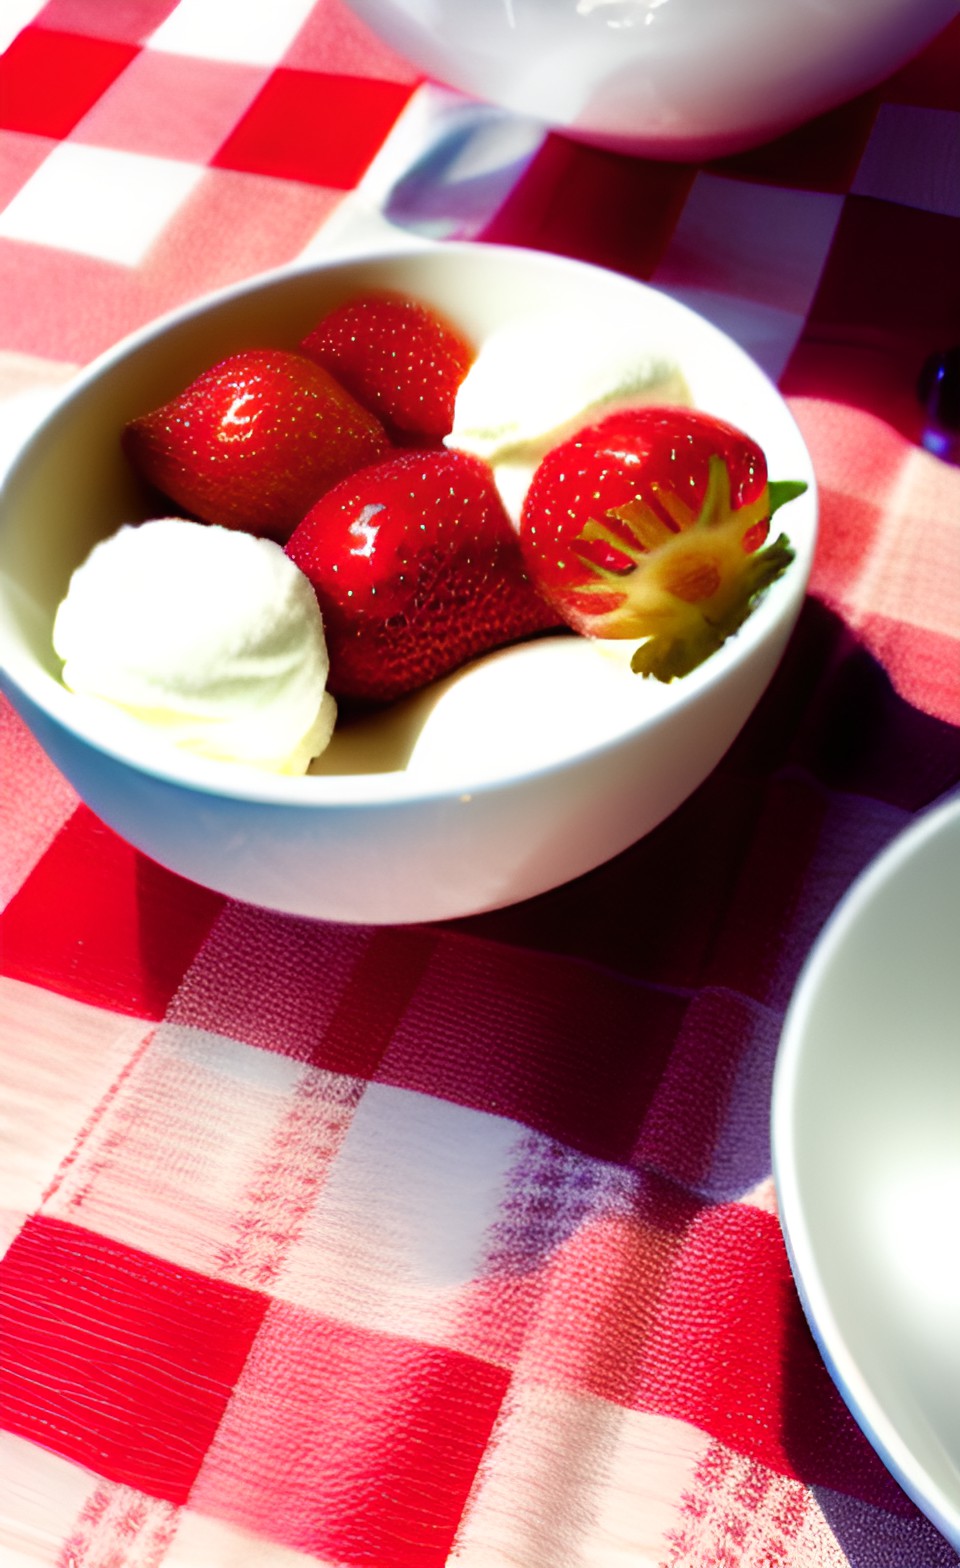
pixel 840 1357
pixel 152 757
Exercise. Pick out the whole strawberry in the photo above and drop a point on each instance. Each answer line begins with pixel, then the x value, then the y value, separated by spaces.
pixel 651 523
pixel 254 440
pixel 398 357
pixel 417 569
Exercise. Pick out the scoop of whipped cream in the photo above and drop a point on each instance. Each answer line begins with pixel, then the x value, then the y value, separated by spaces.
pixel 211 637
pixel 538 379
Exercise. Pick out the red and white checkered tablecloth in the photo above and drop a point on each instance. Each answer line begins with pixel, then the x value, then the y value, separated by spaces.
pixel 402 1247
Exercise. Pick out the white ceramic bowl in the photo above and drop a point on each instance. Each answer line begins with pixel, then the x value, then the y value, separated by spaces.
pixel 667 78
pixel 533 766
pixel 866 1143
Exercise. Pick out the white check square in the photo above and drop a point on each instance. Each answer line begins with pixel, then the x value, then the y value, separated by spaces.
pixel 256 34
pixel 764 243
pixel 171 1172
pixel 769 335
pixel 99 202
pixel 913 157
pixel 400 1226
pixel 16 15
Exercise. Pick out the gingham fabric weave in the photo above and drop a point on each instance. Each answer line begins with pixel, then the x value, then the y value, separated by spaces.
pixel 396 1248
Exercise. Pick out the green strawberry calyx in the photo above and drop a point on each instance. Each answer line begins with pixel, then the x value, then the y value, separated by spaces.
pixel 683 581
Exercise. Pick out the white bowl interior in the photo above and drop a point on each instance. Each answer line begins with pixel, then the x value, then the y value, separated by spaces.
pixel 866 1136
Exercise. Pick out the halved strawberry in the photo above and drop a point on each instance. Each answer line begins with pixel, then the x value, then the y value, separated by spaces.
pixel 254 440
pixel 398 357
pixel 651 524
pixel 417 569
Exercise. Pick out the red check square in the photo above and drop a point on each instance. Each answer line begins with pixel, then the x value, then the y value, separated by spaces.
pixel 598 206
pixel 561 1047
pixel 99 922
pixel 821 155
pixel 729 1350
pixel 890 270
pixel 355 1446
pixel 931 78
pixel 48 80
pixel 116 1359
pixel 878 310
pixel 323 130
pixel 323 993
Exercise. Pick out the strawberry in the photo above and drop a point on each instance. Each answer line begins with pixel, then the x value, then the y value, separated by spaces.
pixel 417 569
pixel 254 440
pixel 398 357
pixel 651 524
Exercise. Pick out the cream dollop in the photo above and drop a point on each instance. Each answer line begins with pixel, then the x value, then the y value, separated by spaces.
pixel 211 637
pixel 540 378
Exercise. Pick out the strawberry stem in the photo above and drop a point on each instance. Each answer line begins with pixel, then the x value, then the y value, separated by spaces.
pixel 781 491
pixel 672 653
pixel 716 507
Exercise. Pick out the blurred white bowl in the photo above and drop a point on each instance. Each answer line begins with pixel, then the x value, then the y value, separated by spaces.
pixel 666 78
pixel 520 773
pixel 866 1144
